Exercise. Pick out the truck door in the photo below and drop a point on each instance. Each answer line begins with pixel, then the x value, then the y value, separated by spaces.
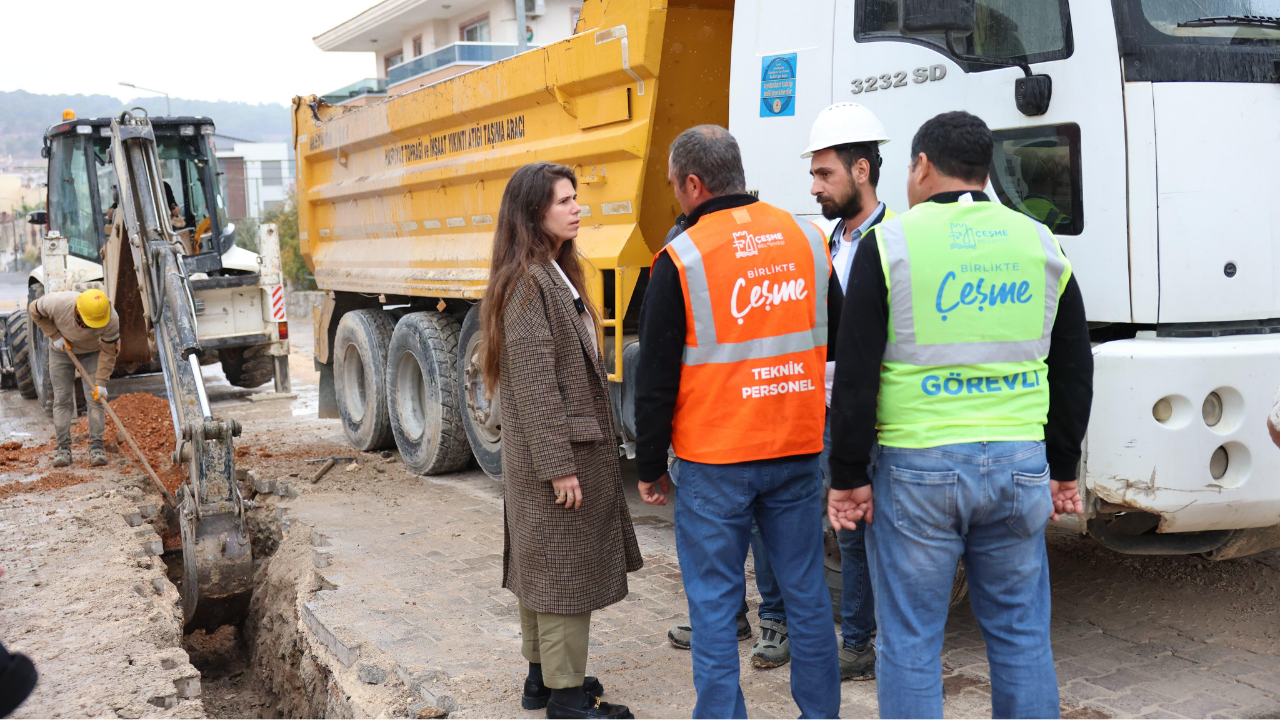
pixel 780 78
pixel 1205 74
pixel 1065 168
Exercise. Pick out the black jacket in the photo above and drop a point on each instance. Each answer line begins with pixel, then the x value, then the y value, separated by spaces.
pixel 861 350
pixel 835 294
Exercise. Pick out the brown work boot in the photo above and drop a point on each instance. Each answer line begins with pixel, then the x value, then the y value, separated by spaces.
pixel 61 458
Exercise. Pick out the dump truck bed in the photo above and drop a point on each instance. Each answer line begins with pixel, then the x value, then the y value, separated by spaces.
pixel 401 198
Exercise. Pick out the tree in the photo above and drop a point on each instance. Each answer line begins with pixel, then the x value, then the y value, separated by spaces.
pixel 285 217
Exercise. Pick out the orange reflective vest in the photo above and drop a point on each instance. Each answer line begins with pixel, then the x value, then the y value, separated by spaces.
pixel 755 294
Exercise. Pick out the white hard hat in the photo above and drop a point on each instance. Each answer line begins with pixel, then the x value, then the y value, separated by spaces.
pixel 844 123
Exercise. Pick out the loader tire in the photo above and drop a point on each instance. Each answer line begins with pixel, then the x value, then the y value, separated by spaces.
pixel 481 416
pixel 423 395
pixel 20 346
pixel 247 367
pixel 359 377
pixel 39 354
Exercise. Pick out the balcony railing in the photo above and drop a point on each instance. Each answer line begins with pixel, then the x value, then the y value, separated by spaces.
pixel 471 53
pixel 368 86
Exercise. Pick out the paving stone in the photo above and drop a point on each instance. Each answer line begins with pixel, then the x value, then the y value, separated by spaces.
pixel 1201 704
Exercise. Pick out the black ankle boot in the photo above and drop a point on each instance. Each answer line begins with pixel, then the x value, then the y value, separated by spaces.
pixel 536 695
pixel 577 703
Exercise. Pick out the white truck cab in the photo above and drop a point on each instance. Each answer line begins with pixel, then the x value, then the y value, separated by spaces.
pixel 1155 163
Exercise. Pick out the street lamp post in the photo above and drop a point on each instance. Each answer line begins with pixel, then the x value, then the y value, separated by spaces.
pixel 167 110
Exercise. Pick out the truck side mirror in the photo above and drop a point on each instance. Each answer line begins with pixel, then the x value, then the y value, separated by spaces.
pixel 44 152
pixel 38 217
pixel 927 16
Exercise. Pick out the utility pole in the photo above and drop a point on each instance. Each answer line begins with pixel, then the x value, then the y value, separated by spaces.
pixel 167 110
pixel 522 41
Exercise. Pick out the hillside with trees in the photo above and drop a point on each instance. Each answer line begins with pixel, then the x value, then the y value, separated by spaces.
pixel 25 116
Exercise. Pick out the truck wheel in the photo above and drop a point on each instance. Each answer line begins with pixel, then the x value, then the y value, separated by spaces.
pixel 247 367
pixel 423 399
pixel 359 376
pixel 39 352
pixel 20 347
pixel 482 417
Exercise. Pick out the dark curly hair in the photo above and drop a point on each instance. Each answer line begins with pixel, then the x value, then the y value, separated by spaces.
pixel 957 143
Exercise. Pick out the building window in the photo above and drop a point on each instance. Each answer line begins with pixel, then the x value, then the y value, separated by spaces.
pixel 574 14
pixel 476 31
pixel 1036 171
pixel 392 60
pixel 272 172
pixel 417 46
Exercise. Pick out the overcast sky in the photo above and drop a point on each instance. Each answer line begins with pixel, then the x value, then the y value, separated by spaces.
pixel 251 51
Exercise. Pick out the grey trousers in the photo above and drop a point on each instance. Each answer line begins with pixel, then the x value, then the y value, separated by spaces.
pixel 62 373
pixel 558 643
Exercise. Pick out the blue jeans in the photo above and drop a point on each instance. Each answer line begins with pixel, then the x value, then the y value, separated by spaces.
pixel 857 600
pixel 985 503
pixel 715 505
pixel 771 604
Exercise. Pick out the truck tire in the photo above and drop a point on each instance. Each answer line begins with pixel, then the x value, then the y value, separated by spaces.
pixel 247 367
pixel 481 416
pixel 39 354
pixel 359 377
pixel 20 347
pixel 423 396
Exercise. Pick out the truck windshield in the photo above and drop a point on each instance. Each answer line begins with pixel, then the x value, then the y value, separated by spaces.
pixel 1216 22
pixel 70 197
pixel 1199 40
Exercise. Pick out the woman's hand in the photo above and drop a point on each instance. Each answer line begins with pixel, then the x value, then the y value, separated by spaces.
pixel 568 493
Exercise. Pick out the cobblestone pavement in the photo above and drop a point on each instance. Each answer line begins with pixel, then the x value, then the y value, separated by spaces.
pixel 414 567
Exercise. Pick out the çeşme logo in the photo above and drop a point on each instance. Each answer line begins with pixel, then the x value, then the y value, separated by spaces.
pixel 745 243
pixel 778 86
pixel 964 237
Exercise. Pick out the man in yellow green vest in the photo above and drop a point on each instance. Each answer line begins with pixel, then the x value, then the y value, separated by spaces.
pixel 964 346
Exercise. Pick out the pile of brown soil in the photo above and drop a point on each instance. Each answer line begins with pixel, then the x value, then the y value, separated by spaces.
pixel 147 419
pixel 13 455
pixel 52 481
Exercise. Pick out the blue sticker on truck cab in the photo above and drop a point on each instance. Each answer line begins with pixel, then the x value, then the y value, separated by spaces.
pixel 778 86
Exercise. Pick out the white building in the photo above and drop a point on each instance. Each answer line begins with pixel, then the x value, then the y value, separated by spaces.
pixel 418 42
pixel 255 176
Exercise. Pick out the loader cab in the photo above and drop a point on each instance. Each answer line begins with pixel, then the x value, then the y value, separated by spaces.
pixel 82 182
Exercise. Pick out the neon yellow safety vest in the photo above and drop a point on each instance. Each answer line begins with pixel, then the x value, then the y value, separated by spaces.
pixel 973 289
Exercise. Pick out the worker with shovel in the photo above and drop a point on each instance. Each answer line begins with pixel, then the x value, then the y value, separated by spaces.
pixel 85 324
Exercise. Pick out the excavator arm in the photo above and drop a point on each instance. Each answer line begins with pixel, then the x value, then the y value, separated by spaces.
pixel 217 555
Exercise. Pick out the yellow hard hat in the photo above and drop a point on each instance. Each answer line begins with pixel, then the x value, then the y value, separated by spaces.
pixel 94 308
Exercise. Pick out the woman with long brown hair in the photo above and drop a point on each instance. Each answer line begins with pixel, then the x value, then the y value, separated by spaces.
pixel 569 540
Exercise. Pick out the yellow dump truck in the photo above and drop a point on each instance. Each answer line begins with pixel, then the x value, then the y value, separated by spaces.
pixel 398 202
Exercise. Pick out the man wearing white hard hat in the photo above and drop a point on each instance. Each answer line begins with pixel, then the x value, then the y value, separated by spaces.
pixel 844 161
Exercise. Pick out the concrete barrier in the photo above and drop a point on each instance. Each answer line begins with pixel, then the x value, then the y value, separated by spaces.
pixel 300 302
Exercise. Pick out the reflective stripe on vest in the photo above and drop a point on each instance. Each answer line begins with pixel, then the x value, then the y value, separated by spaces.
pixel 754 280
pixel 906 350
pixel 708 349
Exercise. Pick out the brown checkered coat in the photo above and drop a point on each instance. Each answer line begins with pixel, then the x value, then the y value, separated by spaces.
pixel 557 421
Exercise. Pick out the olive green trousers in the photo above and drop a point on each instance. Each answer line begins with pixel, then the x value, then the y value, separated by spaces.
pixel 558 643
